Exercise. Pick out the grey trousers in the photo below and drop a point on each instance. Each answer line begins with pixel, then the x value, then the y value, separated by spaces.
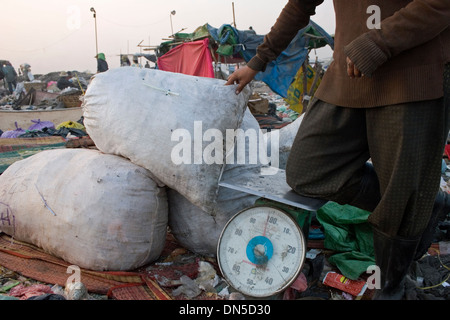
pixel 405 143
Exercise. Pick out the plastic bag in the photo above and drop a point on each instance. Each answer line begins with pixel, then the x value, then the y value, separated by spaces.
pixel 13 133
pixel 39 125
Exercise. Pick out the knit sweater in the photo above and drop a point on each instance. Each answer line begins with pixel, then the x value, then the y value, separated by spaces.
pixel 402 60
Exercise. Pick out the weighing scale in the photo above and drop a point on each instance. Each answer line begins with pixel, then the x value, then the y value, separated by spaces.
pixel 262 249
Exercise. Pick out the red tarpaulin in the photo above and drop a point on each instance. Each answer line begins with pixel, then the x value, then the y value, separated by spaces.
pixel 191 58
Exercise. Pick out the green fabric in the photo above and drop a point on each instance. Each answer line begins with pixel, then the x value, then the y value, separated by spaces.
pixel 101 56
pixel 349 234
pixel 181 37
pixel 352 264
pixel 227 48
pixel 316 39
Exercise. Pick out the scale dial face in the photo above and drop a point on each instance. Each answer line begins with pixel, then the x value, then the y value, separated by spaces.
pixel 261 251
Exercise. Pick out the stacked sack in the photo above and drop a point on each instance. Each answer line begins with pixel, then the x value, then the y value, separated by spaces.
pixel 97 211
pixel 108 209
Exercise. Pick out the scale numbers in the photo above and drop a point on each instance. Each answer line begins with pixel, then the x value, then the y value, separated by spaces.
pixel 261 251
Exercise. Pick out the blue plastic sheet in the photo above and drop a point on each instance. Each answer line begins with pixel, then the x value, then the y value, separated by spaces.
pixel 280 73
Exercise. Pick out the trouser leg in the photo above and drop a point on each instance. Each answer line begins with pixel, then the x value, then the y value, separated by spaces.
pixel 441 206
pixel 329 155
pixel 10 87
pixel 406 145
pixel 327 159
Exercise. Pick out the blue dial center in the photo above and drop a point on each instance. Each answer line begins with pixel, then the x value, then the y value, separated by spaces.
pixel 259 250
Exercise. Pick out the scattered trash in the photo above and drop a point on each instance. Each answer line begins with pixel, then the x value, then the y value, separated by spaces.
pixel 13 133
pixel 75 291
pixel 444 247
pixel 354 287
pixel 300 284
pixel 188 287
pixel 24 292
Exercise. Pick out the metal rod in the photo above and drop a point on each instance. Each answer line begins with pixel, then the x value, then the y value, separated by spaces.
pixel 234 18
pixel 96 40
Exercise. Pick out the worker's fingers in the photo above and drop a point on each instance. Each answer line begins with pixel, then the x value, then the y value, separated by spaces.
pixel 232 79
pixel 241 77
pixel 352 69
pixel 356 72
pixel 240 87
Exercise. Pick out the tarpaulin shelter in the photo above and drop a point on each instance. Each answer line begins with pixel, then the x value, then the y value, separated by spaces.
pixel 192 58
pixel 193 53
pixel 230 45
pixel 279 74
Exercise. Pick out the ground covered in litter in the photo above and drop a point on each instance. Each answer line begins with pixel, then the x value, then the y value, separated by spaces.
pixel 27 273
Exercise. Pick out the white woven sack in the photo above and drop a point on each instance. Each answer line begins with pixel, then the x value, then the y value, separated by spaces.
pixel 285 137
pixel 93 210
pixel 148 115
pixel 199 230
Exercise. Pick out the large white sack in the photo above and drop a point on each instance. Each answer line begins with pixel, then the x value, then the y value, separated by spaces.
pixel 284 138
pixel 97 211
pixel 199 230
pixel 148 115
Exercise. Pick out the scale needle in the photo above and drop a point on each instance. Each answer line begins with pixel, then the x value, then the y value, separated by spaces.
pixel 248 262
pixel 265 226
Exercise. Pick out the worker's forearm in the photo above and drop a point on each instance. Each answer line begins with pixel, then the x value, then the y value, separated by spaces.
pixel 294 16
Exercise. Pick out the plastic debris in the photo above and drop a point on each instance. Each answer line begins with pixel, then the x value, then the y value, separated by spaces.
pixel 338 281
pixel 207 278
pixel 24 292
pixel 188 287
pixel 75 291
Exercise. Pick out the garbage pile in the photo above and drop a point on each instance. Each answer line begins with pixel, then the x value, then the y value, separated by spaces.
pixel 41 91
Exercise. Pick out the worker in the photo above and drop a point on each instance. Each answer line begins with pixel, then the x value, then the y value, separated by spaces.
pixel 25 68
pixel 10 75
pixel 373 136
pixel 102 65
pixel 136 62
pixel 124 61
pixel 64 81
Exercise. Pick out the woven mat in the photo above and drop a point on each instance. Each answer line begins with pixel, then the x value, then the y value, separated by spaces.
pixel 15 149
pixel 34 263
pixel 8 144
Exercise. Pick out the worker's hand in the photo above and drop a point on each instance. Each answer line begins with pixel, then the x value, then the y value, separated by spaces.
pixel 352 70
pixel 242 77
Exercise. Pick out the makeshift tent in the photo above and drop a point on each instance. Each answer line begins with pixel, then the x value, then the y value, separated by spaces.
pixel 191 58
pixel 230 45
pixel 279 74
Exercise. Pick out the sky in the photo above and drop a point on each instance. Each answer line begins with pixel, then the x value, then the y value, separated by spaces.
pixel 57 35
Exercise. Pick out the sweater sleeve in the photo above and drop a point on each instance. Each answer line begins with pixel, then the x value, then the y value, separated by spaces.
pixel 411 26
pixel 294 16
